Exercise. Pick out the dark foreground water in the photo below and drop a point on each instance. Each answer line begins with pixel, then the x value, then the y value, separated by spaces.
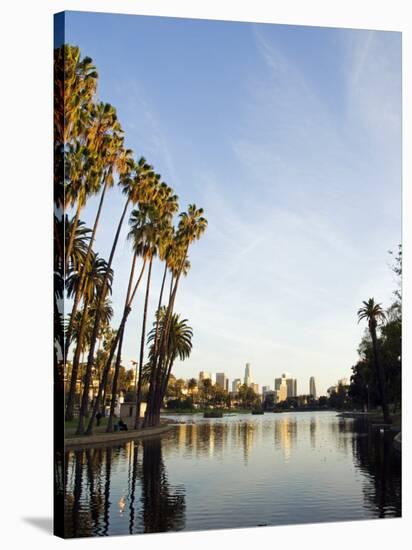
pixel 239 471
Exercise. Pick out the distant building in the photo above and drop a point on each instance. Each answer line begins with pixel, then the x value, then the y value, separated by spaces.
pixel 291 386
pixel 221 379
pixel 255 387
pixel 248 375
pixel 343 382
pixel 312 387
pixel 237 382
pixel 227 384
pixel 282 392
pixel 265 390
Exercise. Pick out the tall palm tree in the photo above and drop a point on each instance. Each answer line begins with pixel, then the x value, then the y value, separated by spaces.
pixel 154 223
pixel 134 187
pixel 139 188
pixel 191 226
pixel 142 233
pixel 374 314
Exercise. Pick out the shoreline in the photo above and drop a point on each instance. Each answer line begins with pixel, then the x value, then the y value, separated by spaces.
pixel 115 437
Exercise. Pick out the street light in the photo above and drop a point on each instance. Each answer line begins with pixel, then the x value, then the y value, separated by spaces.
pixel 133 362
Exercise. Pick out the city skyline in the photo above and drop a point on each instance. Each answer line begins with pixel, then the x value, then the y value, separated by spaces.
pixel 221 379
pixel 304 155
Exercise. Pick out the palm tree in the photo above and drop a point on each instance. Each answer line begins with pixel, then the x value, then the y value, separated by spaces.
pixel 151 227
pixel 82 181
pixel 134 187
pixel 95 276
pixel 112 157
pixel 191 226
pixel 179 344
pixel 80 240
pixel 374 314
pixel 75 82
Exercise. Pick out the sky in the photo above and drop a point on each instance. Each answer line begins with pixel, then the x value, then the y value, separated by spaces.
pixel 289 137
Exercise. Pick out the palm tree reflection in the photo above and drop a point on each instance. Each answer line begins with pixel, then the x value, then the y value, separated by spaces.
pixel 375 456
pixel 163 508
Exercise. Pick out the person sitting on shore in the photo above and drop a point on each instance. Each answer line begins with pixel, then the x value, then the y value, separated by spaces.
pixel 122 426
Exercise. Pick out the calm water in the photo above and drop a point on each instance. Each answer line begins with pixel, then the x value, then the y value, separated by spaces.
pixel 238 471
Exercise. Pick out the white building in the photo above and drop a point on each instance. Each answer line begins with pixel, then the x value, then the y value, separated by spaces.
pixel 312 387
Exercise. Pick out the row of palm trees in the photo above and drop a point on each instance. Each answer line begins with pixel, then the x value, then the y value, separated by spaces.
pixel 91 158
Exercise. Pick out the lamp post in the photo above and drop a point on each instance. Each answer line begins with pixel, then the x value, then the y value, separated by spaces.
pixel 369 404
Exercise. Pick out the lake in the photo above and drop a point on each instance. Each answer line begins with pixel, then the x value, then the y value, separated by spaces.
pixel 237 471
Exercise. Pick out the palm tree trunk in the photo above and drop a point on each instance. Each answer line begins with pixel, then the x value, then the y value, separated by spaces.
pixel 102 295
pixel 142 339
pixel 152 382
pixel 71 240
pixel 79 290
pixel 119 351
pixel 161 389
pixel 114 384
pixel 76 360
pixel 171 286
pixel 164 339
pixel 113 347
pixel 106 370
pixel 381 375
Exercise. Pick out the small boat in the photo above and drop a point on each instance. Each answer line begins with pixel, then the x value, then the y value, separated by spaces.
pixel 213 414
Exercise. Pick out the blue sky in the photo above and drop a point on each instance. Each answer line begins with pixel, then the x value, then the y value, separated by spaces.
pixel 290 139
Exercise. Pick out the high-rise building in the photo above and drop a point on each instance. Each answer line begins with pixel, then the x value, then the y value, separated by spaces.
pixel 265 389
pixel 221 380
pixel 237 382
pixel 282 392
pixel 291 385
pixel 248 375
pixel 312 387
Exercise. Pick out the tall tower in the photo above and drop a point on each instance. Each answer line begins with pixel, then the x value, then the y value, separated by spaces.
pixel 312 387
pixel 248 375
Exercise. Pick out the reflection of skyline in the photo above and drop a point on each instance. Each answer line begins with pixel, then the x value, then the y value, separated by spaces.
pixel 286 430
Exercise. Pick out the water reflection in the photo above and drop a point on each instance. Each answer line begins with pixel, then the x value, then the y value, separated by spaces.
pixel 225 473
pixel 376 457
pixel 93 505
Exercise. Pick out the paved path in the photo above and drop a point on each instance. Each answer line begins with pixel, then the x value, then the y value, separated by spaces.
pixel 102 438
